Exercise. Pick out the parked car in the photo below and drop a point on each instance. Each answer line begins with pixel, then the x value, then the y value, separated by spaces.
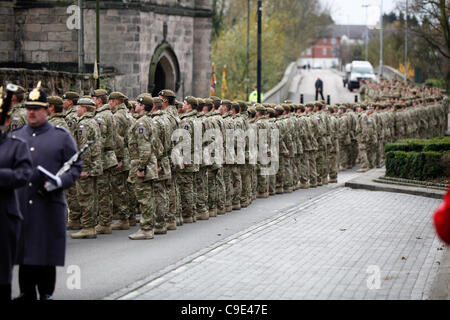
pixel 348 69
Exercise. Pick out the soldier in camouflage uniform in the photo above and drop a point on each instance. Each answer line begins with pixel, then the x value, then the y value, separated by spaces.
pixel 160 192
pixel 213 167
pixel 144 146
pixel 220 183
pixel 170 110
pixel 333 151
pixel 252 166
pixel 312 149
pixel 236 123
pixel 88 130
pixel 272 118
pixel 18 111
pixel 305 138
pixel 186 177
pixel 201 176
pixel 105 121
pixel 55 112
pixel 120 173
pixel 344 138
pixel 245 169
pixel 262 125
pixel 228 165
pixel 70 100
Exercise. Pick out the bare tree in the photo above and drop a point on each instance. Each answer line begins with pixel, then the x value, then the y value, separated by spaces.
pixel 434 28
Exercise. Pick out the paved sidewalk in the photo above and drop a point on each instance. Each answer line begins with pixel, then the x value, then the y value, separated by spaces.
pixel 346 244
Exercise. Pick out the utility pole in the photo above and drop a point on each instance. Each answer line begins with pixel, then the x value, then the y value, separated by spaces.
pixel 259 49
pixel 406 43
pixel 81 39
pixel 247 78
pixel 367 33
pixel 381 38
pixel 97 31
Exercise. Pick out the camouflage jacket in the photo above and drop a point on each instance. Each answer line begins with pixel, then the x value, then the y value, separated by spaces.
pixel 105 121
pixel 123 123
pixel 88 130
pixel 143 149
pixel 18 117
pixel 57 119
pixel 188 123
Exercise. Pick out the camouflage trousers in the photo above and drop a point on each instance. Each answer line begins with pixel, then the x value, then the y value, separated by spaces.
pixel 73 204
pixel 178 208
pixel 221 190
pixel 145 199
pixel 88 199
pixel 372 154
pixel 379 153
pixel 201 190
pixel 237 184
pixel 321 163
pixel 228 180
pixel 171 187
pixel 262 181
pixel 333 165
pixel 288 171
pixel 105 200
pixel 132 201
pixel 354 150
pixel 344 155
pixel 254 180
pixel 312 157
pixel 303 168
pixel 367 155
pixel 246 178
pixel 280 176
pixel 213 189
pixel 119 194
pixel 186 185
pixel 272 184
pixel 161 202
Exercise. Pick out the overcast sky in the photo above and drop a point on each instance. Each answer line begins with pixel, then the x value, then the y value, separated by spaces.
pixel 352 12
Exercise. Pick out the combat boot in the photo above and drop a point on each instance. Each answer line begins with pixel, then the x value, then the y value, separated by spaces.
pixel 171 225
pixel 279 190
pixel 288 190
pixel 221 211
pixel 362 170
pixel 262 195
pixel 213 213
pixel 132 222
pixel 142 235
pixel 202 216
pixel 236 206
pixel 325 181
pixel 334 180
pixel 244 204
pixel 160 230
pixel 73 225
pixel 85 233
pixel 99 229
pixel 188 219
pixel 229 208
pixel 121 225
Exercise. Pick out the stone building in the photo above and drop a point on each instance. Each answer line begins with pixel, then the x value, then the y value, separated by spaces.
pixel 148 44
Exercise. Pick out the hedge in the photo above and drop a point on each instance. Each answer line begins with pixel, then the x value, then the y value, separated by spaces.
pixel 418 159
pixel 440 144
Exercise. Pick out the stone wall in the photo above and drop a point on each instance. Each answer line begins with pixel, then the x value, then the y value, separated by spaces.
pixel 53 82
pixel 34 33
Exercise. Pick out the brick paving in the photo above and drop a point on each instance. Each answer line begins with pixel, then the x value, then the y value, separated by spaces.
pixel 322 249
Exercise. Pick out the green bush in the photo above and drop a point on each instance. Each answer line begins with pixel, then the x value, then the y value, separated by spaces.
pixel 408 145
pixel 417 165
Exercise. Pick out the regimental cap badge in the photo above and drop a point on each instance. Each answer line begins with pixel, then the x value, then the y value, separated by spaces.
pixel 35 94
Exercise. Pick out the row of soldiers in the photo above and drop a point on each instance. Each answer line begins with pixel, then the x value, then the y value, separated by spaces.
pixel 130 168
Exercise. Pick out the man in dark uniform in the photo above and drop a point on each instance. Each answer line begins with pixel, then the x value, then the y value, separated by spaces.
pixel 43 239
pixel 319 88
pixel 15 171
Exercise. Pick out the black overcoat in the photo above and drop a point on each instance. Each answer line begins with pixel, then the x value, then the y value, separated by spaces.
pixel 15 171
pixel 43 237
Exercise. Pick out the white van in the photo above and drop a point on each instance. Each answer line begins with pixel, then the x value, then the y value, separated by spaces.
pixel 360 70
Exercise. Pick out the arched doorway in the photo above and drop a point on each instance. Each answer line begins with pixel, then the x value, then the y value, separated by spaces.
pixel 164 70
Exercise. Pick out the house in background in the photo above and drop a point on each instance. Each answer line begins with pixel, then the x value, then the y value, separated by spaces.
pixel 326 52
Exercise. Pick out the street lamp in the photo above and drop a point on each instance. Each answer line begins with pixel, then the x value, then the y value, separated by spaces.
pixel 259 49
pixel 406 43
pixel 367 32
pixel 381 38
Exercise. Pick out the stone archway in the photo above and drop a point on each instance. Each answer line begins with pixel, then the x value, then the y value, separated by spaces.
pixel 164 70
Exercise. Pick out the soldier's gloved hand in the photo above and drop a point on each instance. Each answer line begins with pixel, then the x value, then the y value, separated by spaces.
pixel 50 186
